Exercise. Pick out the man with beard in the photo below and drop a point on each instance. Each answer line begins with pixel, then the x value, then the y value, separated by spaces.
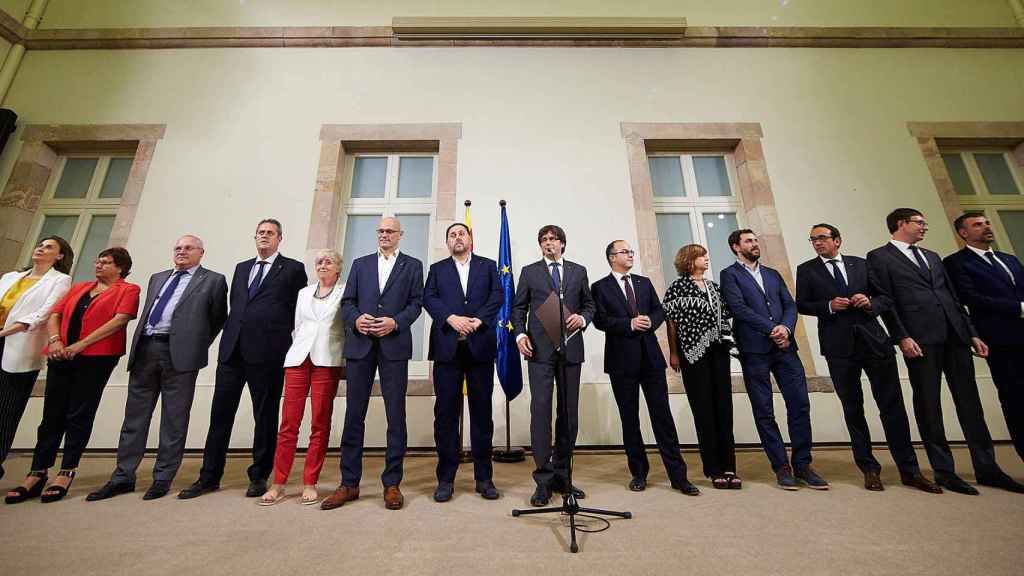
pixel 764 319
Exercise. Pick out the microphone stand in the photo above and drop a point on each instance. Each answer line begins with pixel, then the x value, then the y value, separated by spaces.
pixel 570 506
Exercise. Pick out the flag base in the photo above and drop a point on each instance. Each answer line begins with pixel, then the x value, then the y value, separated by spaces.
pixel 509 455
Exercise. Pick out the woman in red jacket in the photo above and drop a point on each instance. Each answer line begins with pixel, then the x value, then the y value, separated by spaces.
pixel 87 338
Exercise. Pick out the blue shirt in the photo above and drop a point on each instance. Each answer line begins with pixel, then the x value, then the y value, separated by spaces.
pixel 164 326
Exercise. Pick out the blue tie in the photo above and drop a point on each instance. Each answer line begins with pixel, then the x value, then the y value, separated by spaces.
pixel 841 285
pixel 161 303
pixel 254 286
pixel 556 277
pixel 920 259
pixel 992 260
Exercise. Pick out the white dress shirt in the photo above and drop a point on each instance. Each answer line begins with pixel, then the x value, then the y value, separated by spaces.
pixel 384 267
pixel 905 249
pixel 622 287
pixel 754 271
pixel 463 270
pixel 981 254
pixel 842 270
pixel 256 268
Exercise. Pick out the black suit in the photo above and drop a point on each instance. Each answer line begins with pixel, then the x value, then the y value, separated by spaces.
pixel 920 304
pixel 545 366
pixel 993 297
pixel 633 360
pixel 852 341
pixel 256 339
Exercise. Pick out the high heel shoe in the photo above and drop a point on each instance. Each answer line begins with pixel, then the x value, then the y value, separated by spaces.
pixel 53 492
pixel 26 493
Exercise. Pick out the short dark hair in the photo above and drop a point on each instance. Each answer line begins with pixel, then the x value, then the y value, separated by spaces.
pixel 280 231
pixel 832 230
pixel 449 229
pixel 121 259
pixel 734 237
pixel 552 229
pixel 64 264
pixel 685 257
pixel 609 249
pixel 892 221
pixel 960 222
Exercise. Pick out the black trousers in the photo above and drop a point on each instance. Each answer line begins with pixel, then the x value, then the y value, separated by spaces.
pixel 153 376
pixel 885 387
pixel 15 390
pixel 73 392
pixel 626 388
pixel 954 360
pixel 1007 367
pixel 552 468
pixel 708 384
pixel 266 383
pixel 394 382
pixel 448 379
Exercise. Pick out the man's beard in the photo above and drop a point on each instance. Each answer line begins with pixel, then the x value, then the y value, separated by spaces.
pixel 752 256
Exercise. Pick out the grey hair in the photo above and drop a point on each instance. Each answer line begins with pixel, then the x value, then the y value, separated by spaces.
pixel 330 253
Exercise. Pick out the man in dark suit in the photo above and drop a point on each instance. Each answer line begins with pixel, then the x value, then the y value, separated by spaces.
pixel 185 309
pixel 463 297
pixel 628 311
pixel 834 288
pixel 936 337
pixel 991 285
pixel 383 297
pixel 546 362
pixel 764 319
pixel 256 338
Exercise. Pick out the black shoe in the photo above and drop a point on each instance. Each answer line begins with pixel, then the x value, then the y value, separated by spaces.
pixel 157 490
pixel 444 492
pixel 917 480
pixel 21 493
pixel 486 489
pixel 956 484
pixel 687 487
pixel 808 476
pixel 1003 481
pixel 638 484
pixel 198 489
pixel 541 496
pixel 109 490
pixel 256 488
pixel 785 479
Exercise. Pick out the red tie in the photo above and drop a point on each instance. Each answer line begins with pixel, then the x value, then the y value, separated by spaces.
pixel 630 297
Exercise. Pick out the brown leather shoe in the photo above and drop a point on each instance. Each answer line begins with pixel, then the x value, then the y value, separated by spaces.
pixel 341 495
pixel 872 481
pixel 917 480
pixel 393 498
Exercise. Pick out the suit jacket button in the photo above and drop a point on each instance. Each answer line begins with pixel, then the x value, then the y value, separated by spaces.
pixel 465 301
pixel 380 306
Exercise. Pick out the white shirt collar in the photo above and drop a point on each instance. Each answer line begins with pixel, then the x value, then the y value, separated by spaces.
pixel 548 262
pixel 269 260
pixel 756 268
pixel 394 256
pixel 980 252
pixel 618 275
pixel 838 258
pixel 900 244
pixel 461 264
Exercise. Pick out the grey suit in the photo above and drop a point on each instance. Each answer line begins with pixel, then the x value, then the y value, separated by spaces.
pixel 167 366
pixel 535 284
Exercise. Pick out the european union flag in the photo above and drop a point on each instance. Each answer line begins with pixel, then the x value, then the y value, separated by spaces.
pixel 510 370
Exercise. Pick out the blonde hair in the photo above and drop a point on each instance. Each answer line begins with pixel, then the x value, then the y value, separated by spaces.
pixel 330 253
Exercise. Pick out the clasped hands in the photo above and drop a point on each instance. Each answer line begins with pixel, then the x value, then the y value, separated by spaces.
pixel 464 325
pixel 58 351
pixel 572 323
pixel 857 301
pixel 640 323
pixel 374 326
pixel 780 336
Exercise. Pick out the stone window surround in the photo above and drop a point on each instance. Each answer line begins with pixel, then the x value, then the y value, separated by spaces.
pixel 743 141
pixel 339 140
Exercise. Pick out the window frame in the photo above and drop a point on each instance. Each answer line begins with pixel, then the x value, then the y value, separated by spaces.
pixel 984 201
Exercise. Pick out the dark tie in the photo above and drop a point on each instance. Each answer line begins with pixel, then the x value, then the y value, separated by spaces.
pixel 841 285
pixel 634 311
pixel 920 259
pixel 254 286
pixel 161 303
pixel 992 260
pixel 556 277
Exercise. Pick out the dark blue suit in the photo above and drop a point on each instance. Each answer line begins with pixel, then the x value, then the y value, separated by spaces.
pixel 255 340
pixel 471 359
pixel 399 299
pixel 755 313
pixel 994 303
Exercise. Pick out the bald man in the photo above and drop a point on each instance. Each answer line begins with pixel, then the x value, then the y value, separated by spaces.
pixel 383 297
pixel 186 307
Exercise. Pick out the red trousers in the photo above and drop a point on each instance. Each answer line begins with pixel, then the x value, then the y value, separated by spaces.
pixel 321 385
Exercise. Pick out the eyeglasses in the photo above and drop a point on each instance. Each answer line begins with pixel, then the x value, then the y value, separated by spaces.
pixel 820 238
pixel 920 222
pixel 626 252
pixel 386 231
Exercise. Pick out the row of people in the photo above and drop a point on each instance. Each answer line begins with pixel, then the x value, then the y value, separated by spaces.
pixel 282 334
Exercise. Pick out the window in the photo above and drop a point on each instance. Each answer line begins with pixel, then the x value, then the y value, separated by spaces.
pixel 400 185
pixel 695 201
pixel 80 204
pixel 989 180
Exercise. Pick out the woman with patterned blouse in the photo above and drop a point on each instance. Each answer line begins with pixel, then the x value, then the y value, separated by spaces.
pixel 697 320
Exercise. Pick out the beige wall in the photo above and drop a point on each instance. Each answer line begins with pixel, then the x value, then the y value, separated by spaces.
pixel 540 128
pixel 155 13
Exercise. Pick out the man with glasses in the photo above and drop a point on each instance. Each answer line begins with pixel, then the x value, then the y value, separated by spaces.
pixel 935 336
pixel 256 339
pixel 834 288
pixel 383 297
pixel 628 311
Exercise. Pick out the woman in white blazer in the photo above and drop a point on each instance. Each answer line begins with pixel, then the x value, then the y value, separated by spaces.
pixel 26 298
pixel 312 367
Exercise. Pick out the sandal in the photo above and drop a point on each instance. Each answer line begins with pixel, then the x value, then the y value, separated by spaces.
pixel 735 483
pixel 272 496
pixel 21 493
pixel 56 492
pixel 305 500
pixel 720 482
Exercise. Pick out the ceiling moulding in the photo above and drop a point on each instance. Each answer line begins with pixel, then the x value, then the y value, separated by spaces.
pixel 537 28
